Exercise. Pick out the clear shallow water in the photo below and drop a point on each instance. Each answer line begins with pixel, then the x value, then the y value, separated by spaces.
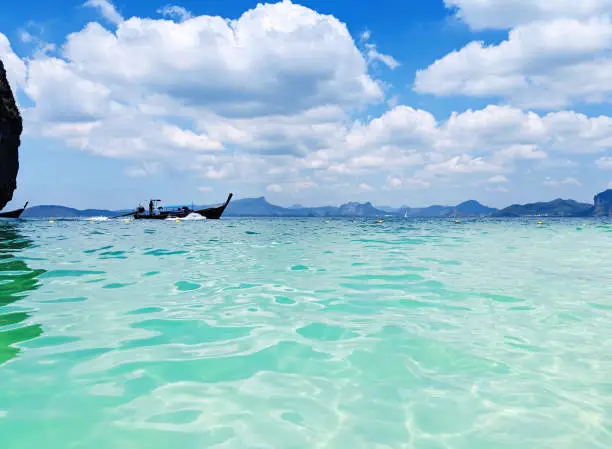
pixel 288 333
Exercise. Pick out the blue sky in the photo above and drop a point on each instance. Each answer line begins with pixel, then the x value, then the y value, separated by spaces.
pixel 313 102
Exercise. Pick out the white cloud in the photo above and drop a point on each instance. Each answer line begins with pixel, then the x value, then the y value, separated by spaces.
pixel 146 169
pixel 557 163
pixel 274 188
pixel 26 37
pixel 16 69
pixel 281 79
pixel 374 55
pixel 499 179
pixel 223 172
pixel 503 14
pixel 174 11
pixel 394 183
pixel 363 187
pixel 277 106
pixel 299 134
pixel 43 48
pixel 205 189
pixel 393 101
pixel 542 64
pixel 519 152
pixel 560 182
pixel 498 189
pixel 463 164
pixel 401 126
pixel 107 9
pixel 491 140
pixel 277 58
pixel 416 182
pixel 182 138
pixel 62 95
pixel 516 133
pixel 604 163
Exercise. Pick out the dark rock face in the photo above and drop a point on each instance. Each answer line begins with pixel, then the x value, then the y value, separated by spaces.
pixel 10 138
pixel 603 204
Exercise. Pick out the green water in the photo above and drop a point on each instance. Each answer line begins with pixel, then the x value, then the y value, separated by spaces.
pixel 302 333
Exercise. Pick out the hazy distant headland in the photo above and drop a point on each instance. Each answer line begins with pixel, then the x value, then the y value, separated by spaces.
pixel 260 207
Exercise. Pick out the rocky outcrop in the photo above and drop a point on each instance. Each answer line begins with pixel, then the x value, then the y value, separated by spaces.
pixel 555 208
pixel 10 138
pixel 603 204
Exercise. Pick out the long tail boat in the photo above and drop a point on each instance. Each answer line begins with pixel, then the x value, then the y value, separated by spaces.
pixel 159 213
pixel 13 213
pixel 214 213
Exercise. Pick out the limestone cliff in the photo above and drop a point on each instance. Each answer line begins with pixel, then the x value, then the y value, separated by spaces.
pixel 603 204
pixel 10 138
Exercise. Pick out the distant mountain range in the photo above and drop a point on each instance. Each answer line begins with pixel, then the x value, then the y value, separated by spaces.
pixel 65 212
pixel 260 207
pixel 555 208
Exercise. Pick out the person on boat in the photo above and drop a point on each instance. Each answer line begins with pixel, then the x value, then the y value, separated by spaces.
pixel 151 207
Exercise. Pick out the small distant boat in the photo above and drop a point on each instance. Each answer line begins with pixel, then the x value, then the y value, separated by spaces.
pixel 13 213
pixel 157 212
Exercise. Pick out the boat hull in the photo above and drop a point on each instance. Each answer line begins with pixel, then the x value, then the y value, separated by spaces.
pixel 13 213
pixel 158 217
pixel 214 213
pixel 210 213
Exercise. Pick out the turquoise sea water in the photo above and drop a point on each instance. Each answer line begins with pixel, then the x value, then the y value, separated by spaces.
pixel 302 333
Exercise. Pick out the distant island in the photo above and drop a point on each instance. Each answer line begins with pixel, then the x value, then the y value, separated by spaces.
pixel 260 207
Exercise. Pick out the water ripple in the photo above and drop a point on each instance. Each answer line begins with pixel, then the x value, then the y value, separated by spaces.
pixel 302 333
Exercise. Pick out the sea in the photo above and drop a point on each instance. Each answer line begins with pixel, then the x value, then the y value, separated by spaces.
pixel 306 333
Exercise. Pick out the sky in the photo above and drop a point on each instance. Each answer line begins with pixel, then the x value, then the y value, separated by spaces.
pixel 405 102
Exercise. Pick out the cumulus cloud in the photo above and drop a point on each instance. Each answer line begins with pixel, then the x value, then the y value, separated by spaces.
pixel 501 14
pixel 16 69
pixel 488 140
pixel 107 9
pixel 542 64
pixel 271 97
pixel 519 152
pixel 557 53
pixel 281 79
pixel 277 58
